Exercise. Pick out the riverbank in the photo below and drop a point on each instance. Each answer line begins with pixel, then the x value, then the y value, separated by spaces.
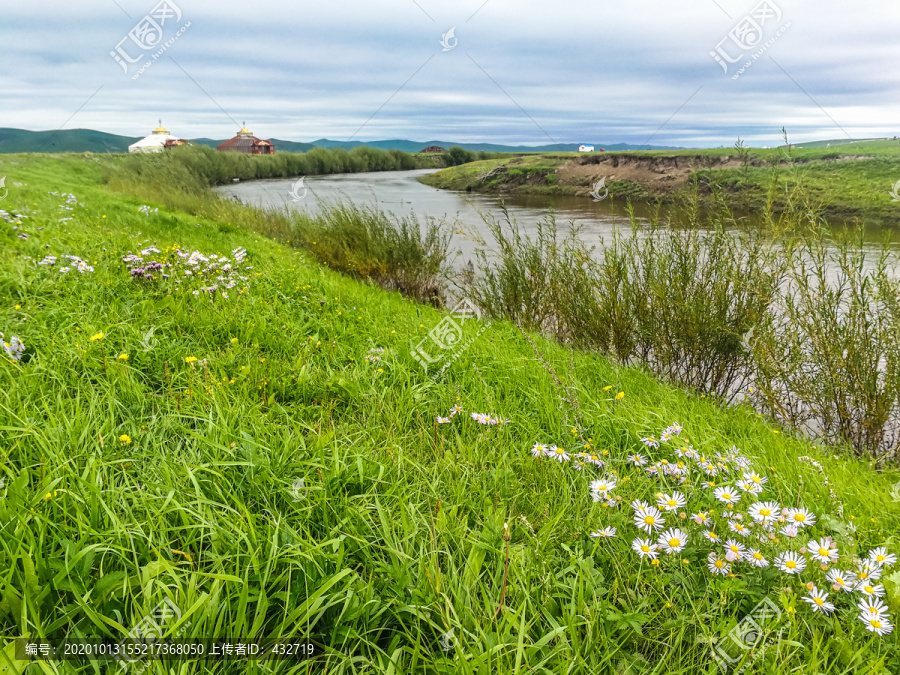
pixel 272 452
pixel 852 181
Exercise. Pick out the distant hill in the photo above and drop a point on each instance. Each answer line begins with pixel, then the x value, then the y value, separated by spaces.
pixel 88 140
pixel 64 140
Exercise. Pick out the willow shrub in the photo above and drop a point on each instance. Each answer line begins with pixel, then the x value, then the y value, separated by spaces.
pixel 830 361
pixel 398 254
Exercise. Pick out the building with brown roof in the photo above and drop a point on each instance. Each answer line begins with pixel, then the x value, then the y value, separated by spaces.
pixel 247 143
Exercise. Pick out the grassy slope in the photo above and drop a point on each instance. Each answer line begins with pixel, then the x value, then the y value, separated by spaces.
pixel 399 536
pixel 847 188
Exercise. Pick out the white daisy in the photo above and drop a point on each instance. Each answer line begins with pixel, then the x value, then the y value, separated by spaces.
pixel 755 478
pixel 750 487
pixel 879 557
pixel 645 548
pixel 839 580
pixel 559 454
pixel 739 528
pixel 873 608
pixel 756 558
pixel 870 590
pixel 764 512
pixel 608 532
pixel 790 562
pixel 801 517
pixel 717 565
pixel 818 600
pixel 601 488
pixel 637 460
pixel 734 550
pixel 538 450
pixel 672 540
pixel 711 536
pixel 650 442
pixel 639 506
pixel 824 551
pixel 727 495
pixel 879 626
pixel 868 572
pixel 671 502
pixel 443 420
pixel 649 520
pixel 701 517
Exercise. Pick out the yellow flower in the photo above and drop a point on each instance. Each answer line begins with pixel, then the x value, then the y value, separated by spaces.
pixel 97 336
pixel 18 306
pixel 262 360
pixel 607 387
pixel 125 439
pixel 123 357
pixel 234 341
pixel 620 395
pixel 190 359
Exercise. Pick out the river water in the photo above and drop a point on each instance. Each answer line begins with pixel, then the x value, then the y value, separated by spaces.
pixel 399 193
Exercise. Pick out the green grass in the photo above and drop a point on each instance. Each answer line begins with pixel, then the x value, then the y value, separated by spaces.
pixel 400 536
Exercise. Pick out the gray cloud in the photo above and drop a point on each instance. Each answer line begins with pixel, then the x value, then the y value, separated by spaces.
pixel 582 71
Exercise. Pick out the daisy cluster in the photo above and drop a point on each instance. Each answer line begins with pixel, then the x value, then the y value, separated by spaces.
pixel 198 272
pixel 11 217
pixel 374 355
pixel 577 460
pixel 481 418
pixel 146 210
pixel 738 527
pixel 75 263
pixel 14 348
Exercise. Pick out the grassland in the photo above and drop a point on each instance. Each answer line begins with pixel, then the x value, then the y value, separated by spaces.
pixel 852 180
pixel 173 473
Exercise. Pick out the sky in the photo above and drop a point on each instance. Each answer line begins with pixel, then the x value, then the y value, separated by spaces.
pixel 514 72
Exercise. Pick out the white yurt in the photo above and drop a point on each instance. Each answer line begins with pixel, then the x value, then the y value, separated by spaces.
pixel 155 142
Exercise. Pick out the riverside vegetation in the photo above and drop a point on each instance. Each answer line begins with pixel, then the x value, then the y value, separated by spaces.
pixel 849 180
pixel 156 424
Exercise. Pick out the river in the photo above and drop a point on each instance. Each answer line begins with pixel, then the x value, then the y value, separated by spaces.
pixel 399 193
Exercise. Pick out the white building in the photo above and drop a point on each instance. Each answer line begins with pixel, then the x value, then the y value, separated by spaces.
pixel 155 142
pixel 585 148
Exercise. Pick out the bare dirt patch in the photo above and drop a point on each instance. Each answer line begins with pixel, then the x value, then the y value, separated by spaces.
pixel 658 174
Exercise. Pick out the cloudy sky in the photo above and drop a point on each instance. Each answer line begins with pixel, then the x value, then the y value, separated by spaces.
pixel 514 71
